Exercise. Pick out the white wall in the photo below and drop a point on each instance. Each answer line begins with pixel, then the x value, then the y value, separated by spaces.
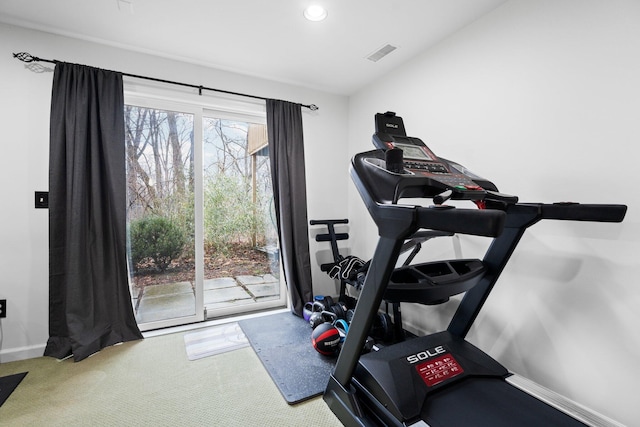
pixel 542 97
pixel 24 114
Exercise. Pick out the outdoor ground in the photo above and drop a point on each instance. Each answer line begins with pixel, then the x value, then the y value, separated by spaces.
pixel 241 260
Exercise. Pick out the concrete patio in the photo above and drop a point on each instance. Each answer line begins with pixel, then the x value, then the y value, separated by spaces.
pixel 160 302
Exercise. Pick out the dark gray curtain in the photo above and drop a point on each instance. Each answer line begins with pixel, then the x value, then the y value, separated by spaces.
pixel 89 303
pixel 286 153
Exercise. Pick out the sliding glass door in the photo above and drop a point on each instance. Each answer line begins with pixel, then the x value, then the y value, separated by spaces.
pixel 202 239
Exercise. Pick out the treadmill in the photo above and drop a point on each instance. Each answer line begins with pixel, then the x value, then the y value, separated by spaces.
pixel 440 379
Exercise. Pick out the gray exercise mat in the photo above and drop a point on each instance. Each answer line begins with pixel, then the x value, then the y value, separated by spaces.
pixel 283 343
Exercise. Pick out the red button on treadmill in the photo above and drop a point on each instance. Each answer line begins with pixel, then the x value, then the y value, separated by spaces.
pixel 473 187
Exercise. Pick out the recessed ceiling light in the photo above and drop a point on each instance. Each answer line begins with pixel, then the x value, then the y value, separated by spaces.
pixel 315 13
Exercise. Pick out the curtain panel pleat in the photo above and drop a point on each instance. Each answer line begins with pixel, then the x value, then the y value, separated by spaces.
pixel 286 154
pixel 89 302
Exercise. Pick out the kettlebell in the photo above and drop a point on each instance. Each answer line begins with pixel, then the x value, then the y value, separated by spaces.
pixel 320 317
pixel 307 310
pixel 316 317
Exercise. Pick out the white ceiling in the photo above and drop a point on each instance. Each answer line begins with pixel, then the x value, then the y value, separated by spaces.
pixel 269 39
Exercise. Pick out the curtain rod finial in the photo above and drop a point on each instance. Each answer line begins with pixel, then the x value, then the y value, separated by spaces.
pixel 313 107
pixel 25 57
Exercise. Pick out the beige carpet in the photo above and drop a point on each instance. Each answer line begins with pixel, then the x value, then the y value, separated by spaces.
pixel 152 383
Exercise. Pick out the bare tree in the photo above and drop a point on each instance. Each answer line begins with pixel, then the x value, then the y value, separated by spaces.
pixel 176 150
pixel 157 164
pixel 141 190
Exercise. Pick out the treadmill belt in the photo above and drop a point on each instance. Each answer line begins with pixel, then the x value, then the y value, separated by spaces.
pixel 477 402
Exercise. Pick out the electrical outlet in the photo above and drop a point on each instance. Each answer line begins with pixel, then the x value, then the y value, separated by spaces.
pixel 42 199
pixel 3 308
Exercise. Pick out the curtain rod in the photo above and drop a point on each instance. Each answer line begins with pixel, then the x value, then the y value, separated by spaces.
pixel 27 57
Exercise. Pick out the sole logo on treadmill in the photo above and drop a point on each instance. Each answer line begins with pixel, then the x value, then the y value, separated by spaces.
pixel 427 354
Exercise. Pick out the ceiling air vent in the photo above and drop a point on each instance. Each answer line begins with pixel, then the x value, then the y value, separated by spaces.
pixel 381 53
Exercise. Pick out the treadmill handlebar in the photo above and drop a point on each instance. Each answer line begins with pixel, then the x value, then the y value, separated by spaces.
pixel 380 189
pixel 478 222
pixel 402 221
pixel 523 215
pixel 584 212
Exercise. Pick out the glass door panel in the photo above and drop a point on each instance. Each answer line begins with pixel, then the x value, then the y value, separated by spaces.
pixel 242 262
pixel 161 215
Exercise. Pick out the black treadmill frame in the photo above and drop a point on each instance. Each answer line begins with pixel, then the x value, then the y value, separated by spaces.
pixel 395 224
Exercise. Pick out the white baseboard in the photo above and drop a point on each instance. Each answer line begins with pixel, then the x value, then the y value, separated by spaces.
pixel 21 353
pixel 577 411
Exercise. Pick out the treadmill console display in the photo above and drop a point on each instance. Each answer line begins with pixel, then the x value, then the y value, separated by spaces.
pixel 417 162
pixel 413 152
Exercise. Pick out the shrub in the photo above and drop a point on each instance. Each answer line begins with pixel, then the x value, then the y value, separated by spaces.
pixel 229 213
pixel 156 238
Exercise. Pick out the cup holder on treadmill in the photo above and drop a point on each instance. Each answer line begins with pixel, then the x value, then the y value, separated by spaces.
pixel 433 282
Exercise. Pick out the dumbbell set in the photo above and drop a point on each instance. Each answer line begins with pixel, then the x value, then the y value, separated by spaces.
pixel 330 323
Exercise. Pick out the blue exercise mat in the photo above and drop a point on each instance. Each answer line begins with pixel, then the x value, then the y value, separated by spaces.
pixel 283 343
